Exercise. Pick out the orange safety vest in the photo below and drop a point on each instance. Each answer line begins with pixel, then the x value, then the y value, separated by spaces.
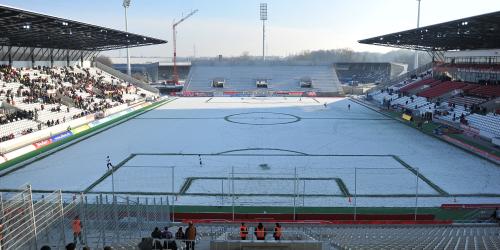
pixel 260 233
pixel 277 232
pixel 243 231
pixel 76 226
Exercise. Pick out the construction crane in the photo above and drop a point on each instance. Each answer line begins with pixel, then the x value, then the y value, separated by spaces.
pixel 176 75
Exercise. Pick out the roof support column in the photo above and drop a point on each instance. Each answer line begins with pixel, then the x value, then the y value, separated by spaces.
pixel 93 56
pixel 51 58
pixel 10 55
pixel 81 58
pixel 67 58
pixel 32 57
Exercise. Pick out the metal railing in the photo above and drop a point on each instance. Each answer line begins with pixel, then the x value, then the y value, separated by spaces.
pixel 30 221
pixel 18 221
pixel 125 77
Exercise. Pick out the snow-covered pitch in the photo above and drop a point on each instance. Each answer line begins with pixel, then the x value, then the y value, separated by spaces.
pixel 268 151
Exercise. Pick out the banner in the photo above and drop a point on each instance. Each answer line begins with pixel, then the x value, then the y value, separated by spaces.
pixel 231 93
pixel 203 94
pixel 42 143
pixel 406 117
pixel 295 93
pixel 311 94
pixel 110 117
pixel 18 152
pixel 80 129
pixel 61 136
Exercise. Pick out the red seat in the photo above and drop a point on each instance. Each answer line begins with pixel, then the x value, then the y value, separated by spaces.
pixel 441 89
pixel 486 91
pixel 418 84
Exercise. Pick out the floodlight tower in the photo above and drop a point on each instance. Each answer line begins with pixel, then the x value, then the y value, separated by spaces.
pixel 174 38
pixel 418 26
pixel 263 18
pixel 126 4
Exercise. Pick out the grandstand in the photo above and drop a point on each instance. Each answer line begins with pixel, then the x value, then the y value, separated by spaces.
pixel 50 87
pixel 463 87
pixel 155 70
pixel 363 73
pixel 56 95
pixel 280 76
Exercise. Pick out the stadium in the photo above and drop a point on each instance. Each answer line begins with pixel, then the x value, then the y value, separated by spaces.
pixel 343 155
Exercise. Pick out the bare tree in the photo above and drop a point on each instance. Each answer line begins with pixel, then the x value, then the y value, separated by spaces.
pixel 348 55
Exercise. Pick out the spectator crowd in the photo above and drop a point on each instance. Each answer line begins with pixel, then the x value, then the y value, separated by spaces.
pixel 51 96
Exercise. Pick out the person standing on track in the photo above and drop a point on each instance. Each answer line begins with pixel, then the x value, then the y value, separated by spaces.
pixel 190 235
pixel 76 226
pixel 243 231
pixel 260 232
pixel 277 232
pixel 108 164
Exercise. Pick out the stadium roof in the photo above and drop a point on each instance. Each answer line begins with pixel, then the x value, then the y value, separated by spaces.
pixel 471 33
pixel 23 28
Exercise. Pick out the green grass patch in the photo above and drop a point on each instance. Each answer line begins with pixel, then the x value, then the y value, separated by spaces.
pixel 466 140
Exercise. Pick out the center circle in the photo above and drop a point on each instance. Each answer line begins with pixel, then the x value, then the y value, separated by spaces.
pixel 262 118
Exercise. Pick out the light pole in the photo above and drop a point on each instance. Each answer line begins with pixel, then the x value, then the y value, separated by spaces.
pixel 126 4
pixel 263 18
pixel 418 26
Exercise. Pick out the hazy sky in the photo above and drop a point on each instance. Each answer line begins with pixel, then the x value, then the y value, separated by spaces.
pixel 231 27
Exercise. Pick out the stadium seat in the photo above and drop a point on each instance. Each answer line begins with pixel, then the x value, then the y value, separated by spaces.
pixel 441 89
pixel 487 124
pixel 41 91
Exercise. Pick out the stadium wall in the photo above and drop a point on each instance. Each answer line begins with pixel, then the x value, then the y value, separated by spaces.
pixel 29 155
pixel 85 124
pixel 24 140
pixel 256 93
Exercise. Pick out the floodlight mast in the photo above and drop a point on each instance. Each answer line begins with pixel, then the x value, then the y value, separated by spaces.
pixel 174 38
pixel 263 18
pixel 126 4
pixel 418 26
